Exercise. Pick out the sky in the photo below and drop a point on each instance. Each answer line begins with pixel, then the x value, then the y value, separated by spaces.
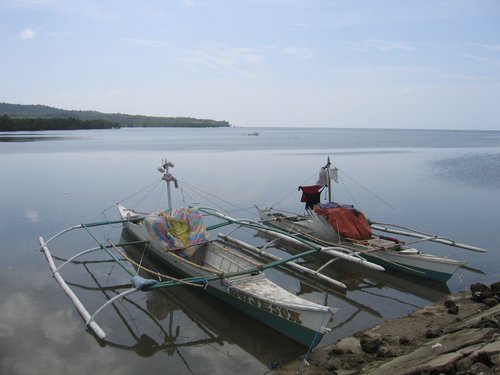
pixel 425 64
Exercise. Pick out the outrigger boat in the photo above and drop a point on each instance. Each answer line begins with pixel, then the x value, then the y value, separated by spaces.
pixel 347 229
pixel 180 240
pixel 233 278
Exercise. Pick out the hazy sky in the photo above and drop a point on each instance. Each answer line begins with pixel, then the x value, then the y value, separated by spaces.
pixel 345 63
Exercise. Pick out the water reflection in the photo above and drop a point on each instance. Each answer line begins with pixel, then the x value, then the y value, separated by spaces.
pixel 169 320
pixel 41 333
pixel 218 322
pixel 359 278
pixel 371 296
pixel 30 138
pixel 159 307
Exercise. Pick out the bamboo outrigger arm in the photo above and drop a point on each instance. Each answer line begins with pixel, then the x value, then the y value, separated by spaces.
pixel 72 296
pixel 88 225
pixel 55 271
pixel 424 237
pixel 336 251
pixel 139 283
pixel 260 252
pixel 96 248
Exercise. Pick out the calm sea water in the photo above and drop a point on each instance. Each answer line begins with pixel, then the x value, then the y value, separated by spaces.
pixel 441 182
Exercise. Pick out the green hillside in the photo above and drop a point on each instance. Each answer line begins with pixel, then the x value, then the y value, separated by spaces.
pixel 8 124
pixel 17 111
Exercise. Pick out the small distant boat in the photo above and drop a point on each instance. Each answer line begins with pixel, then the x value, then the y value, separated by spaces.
pixel 180 240
pixel 348 230
pixel 254 133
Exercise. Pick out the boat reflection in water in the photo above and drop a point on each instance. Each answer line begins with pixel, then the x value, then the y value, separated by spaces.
pixel 161 310
pixel 370 297
pixel 180 311
pixel 357 277
pixel 183 317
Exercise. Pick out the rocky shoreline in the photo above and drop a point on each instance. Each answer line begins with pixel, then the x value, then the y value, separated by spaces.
pixel 458 335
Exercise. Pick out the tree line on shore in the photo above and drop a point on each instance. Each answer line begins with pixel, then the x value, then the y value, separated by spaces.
pixel 40 114
pixel 33 124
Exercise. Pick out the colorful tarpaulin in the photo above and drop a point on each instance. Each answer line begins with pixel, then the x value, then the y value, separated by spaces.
pixel 178 228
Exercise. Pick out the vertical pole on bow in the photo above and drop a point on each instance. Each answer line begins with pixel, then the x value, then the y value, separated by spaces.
pixel 168 178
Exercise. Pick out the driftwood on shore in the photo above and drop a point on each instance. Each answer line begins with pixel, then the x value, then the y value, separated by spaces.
pixel 459 335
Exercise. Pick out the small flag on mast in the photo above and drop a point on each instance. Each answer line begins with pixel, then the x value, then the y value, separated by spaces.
pixel 324 172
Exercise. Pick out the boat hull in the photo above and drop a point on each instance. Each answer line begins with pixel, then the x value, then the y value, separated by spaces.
pixel 297 332
pixel 434 268
pixel 412 261
pixel 300 320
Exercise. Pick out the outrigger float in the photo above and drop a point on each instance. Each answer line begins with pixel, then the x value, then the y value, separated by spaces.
pixel 180 240
pixel 347 229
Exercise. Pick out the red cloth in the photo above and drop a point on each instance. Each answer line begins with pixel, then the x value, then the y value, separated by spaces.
pixel 309 190
pixel 349 223
pixel 311 195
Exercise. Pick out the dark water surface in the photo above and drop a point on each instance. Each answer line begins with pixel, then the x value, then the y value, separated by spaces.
pixel 441 182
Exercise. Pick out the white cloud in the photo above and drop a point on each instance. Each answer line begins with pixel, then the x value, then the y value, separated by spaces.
pixel 489 47
pixel 16 310
pixel 190 3
pixel 27 34
pixel 378 45
pixel 239 60
pixel 144 42
pixel 406 90
pixel 303 53
pixel 483 59
pixel 32 215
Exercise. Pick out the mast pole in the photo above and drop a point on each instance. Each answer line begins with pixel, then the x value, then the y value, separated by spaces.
pixel 167 177
pixel 169 195
pixel 329 183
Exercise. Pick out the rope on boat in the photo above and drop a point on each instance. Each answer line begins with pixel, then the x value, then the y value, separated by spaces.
pixel 156 182
pixel 210 270
pixel 350 194
pixel 85 226
pixel 311 346
pixel 205 285
pixel 369 191
pixel 293 191
pixel 155 273
pixel 142 257
pixel 206 194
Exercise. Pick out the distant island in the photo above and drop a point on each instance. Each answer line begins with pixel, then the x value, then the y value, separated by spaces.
pixel 18 117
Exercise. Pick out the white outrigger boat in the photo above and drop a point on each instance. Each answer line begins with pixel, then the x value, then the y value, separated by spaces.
pixel 179 239
pixel 235 279
pixel 348 230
